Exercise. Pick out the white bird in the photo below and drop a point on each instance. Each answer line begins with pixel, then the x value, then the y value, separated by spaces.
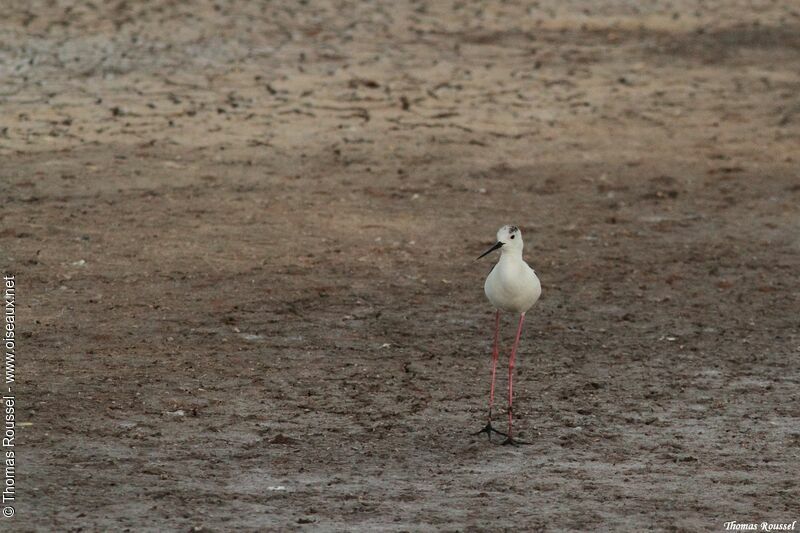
pixel 511 286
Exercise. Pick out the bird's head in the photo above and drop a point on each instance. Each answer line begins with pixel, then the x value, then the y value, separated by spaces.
pixel 509 238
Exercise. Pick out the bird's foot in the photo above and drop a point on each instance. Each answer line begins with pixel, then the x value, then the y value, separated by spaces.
pixel 514 442
pixel 488 429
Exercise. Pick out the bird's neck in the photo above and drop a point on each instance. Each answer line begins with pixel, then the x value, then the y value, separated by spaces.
pixel 511 254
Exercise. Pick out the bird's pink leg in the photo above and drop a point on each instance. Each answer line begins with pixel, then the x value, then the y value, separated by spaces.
pixel 488 429
pixel 495 356
pixel 510 440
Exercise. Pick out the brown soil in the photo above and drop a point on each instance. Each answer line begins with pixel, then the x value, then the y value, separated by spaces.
pixel 244 239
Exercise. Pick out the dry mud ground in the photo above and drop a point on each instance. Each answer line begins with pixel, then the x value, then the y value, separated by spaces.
pixel 244 235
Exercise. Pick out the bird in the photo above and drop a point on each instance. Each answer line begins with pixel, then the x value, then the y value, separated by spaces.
pixel 513 287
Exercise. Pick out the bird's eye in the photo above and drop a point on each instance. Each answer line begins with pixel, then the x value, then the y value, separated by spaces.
pixel 512 236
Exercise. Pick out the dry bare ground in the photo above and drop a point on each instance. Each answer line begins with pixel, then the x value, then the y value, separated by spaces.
pixel 244 237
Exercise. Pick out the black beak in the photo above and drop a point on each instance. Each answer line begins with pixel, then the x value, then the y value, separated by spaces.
pixel 497 245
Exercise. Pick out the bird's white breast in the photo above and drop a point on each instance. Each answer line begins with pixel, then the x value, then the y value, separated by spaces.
pixel 512 285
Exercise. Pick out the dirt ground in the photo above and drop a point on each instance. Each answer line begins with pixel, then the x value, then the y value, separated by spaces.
pixel 244 237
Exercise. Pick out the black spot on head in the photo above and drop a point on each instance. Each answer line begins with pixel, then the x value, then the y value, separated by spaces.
pixel 513 229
